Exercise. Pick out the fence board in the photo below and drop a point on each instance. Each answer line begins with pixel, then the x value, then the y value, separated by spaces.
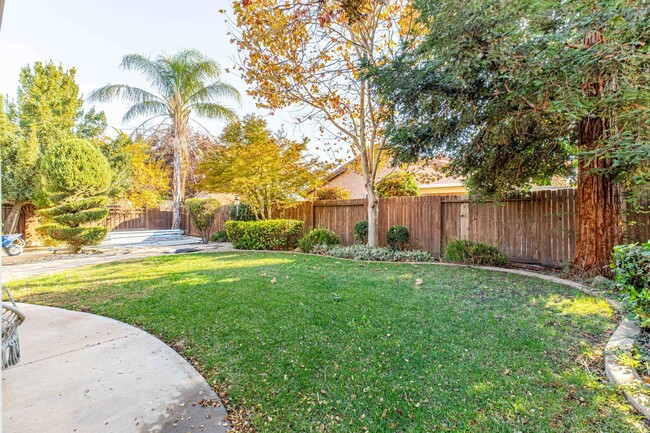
pixel 6 209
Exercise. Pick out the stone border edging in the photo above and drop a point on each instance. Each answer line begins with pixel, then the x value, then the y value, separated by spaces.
pixel 624 376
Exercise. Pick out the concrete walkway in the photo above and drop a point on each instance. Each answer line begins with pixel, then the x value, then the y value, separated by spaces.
pixel 16 270
pixel 85 373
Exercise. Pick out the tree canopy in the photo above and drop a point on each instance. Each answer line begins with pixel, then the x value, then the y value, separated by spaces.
pixel 73 168
pixel 262 168
pixel 309 55
pixel 140 177
pixel 501 87
pixel 516 92
pixel 48 109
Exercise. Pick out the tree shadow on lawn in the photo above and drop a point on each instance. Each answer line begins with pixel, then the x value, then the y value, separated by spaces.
pixel 466 350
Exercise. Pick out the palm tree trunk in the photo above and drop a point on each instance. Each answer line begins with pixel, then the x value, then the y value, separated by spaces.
pixel 177 182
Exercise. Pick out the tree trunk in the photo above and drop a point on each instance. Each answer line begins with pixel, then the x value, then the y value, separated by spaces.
pixel 177 183
pixel 598 199
pixel 373 214
pixel 598 207
pixel 11 223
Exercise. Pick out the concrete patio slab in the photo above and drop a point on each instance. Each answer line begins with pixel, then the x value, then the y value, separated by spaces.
pixel 85 373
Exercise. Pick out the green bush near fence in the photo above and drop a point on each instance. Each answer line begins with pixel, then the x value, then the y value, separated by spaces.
pixel 264 234
pixel 319 237
pixel 203 211
pixel 397 237
pixel 219 236
pixel 361 232
pixel 376 254
pixel 631 264
pixel 474 253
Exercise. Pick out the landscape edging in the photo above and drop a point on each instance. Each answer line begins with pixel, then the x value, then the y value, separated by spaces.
pixel 623 376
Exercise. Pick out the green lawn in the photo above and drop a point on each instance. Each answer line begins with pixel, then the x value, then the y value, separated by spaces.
pixel 305 343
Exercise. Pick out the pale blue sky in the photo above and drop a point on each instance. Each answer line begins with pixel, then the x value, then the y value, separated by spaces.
pixel 93 35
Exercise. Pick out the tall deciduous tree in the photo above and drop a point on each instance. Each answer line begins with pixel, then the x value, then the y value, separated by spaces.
pixel 263 168
pixel 47 110
pixel 513 91
pixel 308 54
pixel 183 84
pixel 199 145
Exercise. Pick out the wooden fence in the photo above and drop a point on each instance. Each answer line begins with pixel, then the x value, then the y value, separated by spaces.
pixel 539 228
pixel 6 208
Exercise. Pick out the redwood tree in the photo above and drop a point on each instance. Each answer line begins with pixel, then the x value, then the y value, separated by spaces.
pixel 516 92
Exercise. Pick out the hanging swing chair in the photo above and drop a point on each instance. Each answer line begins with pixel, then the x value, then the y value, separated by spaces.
pixel 12 317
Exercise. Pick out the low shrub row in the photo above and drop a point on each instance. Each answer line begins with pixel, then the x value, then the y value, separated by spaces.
pixel 382 254
pixel 285 235
pixel 264 234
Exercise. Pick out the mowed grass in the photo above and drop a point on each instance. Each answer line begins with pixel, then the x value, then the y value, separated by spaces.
pixel 313 344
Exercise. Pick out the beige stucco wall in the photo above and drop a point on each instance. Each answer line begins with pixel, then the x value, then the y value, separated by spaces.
pixel 353 181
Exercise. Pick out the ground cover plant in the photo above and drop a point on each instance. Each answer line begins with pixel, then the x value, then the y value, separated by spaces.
pixel 311 343
pixel 375 254
pixel 474 253
pixel 318 237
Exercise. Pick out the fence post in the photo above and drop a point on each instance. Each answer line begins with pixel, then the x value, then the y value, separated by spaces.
pixel 464 221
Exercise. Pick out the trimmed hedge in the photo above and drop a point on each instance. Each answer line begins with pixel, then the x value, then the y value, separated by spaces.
pixel 361 232
pixel 75 237
pixel 264 234
pixel 84 216
pixel 397 237
pixel 474 253
pixel 75 206
pixel 69 221
pixel 319 237
pixel 631 265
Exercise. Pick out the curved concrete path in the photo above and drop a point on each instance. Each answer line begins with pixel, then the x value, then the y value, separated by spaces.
pixel 85 373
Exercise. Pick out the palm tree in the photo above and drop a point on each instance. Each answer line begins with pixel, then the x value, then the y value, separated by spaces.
pixel 183 84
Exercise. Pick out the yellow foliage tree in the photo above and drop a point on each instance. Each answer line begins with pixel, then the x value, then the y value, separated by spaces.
pixel 149 178
pixel 262 168
pixel 310 54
